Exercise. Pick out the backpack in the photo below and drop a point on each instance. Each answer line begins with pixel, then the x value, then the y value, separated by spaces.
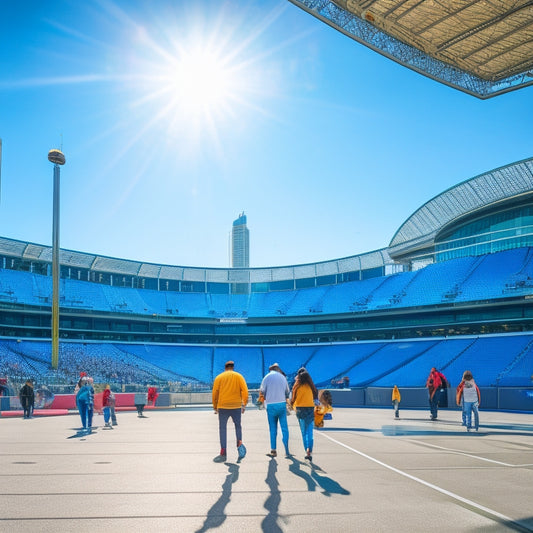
pixel 443 382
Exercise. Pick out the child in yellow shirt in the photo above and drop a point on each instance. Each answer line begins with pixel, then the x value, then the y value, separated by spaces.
pixel 323 411
pixel 396 399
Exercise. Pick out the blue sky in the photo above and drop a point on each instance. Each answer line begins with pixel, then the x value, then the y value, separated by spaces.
pixel 176 116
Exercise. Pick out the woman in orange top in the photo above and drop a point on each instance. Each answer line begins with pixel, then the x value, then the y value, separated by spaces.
pixel 303 398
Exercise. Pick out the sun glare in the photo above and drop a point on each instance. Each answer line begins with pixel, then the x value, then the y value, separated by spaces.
pixel 201 80
pixel 193 88
pixel 183 76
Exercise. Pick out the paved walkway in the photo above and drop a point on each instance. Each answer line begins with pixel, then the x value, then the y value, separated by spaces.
pixel 370 473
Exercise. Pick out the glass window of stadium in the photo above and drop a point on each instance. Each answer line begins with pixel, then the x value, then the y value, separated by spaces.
pixel 260 287
pixel 218 288
pixel 192 286
pixel 510 228
pixel 326 280
pixel 349 276
pixel 372 272
pixel 169 285
pixel 283 285
pixel 305 283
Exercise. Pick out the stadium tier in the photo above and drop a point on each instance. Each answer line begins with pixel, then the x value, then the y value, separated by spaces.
pixel 470 279
pixel 496 361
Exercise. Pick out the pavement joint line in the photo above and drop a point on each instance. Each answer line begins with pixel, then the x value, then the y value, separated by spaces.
pixel 460 452
pixel 490 512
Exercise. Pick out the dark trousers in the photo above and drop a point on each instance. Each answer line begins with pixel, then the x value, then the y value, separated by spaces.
pixel 434 404
pixel 223 416
pixel 28 408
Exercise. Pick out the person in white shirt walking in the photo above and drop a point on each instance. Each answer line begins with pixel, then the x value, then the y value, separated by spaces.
pixel 275 390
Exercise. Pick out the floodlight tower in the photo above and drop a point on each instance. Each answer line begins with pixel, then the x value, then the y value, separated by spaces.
pixel 57 158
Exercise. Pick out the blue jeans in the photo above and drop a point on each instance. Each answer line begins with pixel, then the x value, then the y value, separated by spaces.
pixel 107 413
pixel 86 414
pixel 223 416
pixel 306 419
pixel 396 406
pixel 277 412
pixel 463 414
pixel 469 407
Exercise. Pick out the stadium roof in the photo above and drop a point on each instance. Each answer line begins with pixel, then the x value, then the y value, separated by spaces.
pixel 502 184
pixel 97 263
pixel 481 47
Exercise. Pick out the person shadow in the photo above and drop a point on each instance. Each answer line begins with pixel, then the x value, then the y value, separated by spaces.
pixel 81 433
pixel 316 478
pixel 296 468
pixel 328 485
pixel 270 522
pixel 216 516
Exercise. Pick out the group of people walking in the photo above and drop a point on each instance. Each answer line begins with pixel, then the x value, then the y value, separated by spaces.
pixel 85 403
pixel 467 395
pixel 230 396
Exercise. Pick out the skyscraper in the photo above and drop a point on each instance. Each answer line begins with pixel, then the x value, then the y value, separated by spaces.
pixel 240 243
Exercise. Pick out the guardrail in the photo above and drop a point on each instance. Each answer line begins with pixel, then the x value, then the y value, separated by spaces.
pixel 493 398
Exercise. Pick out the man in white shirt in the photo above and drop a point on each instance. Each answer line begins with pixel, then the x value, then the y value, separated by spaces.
pixel 275 390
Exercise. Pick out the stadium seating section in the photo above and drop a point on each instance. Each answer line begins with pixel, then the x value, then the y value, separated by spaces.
pixel 499 360
pixel 488 277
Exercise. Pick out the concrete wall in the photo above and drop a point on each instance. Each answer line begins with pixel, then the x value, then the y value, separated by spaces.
pixel 510 398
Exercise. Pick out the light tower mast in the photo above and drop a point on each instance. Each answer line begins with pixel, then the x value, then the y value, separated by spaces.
pixel 57 158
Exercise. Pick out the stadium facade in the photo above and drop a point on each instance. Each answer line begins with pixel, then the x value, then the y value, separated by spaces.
pixel 458 273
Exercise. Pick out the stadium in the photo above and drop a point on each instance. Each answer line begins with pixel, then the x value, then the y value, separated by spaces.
pixel 453 290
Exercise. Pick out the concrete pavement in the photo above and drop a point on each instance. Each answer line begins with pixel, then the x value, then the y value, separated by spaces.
pixel 369 473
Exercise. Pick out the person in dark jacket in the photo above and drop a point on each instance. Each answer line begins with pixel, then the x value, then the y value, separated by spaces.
pixel 27 398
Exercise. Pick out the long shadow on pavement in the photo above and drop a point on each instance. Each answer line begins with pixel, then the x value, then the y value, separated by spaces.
pixel 216 515
pixel 316 478
pixel 270 522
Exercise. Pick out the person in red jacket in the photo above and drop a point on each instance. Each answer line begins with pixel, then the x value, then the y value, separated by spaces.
pixel 152 395
pixel 106 405
pixel 433 384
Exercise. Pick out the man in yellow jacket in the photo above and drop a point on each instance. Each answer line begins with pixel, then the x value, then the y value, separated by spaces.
pixel 230 396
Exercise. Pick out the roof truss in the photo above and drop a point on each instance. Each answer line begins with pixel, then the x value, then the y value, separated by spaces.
pixel 481 47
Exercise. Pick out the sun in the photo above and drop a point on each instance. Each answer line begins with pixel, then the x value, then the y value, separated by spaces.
pixel 192 88
pixel 202 80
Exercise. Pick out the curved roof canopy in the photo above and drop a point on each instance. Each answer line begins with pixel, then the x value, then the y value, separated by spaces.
pixel 481 47
pixel 98 263
pixel 477 193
